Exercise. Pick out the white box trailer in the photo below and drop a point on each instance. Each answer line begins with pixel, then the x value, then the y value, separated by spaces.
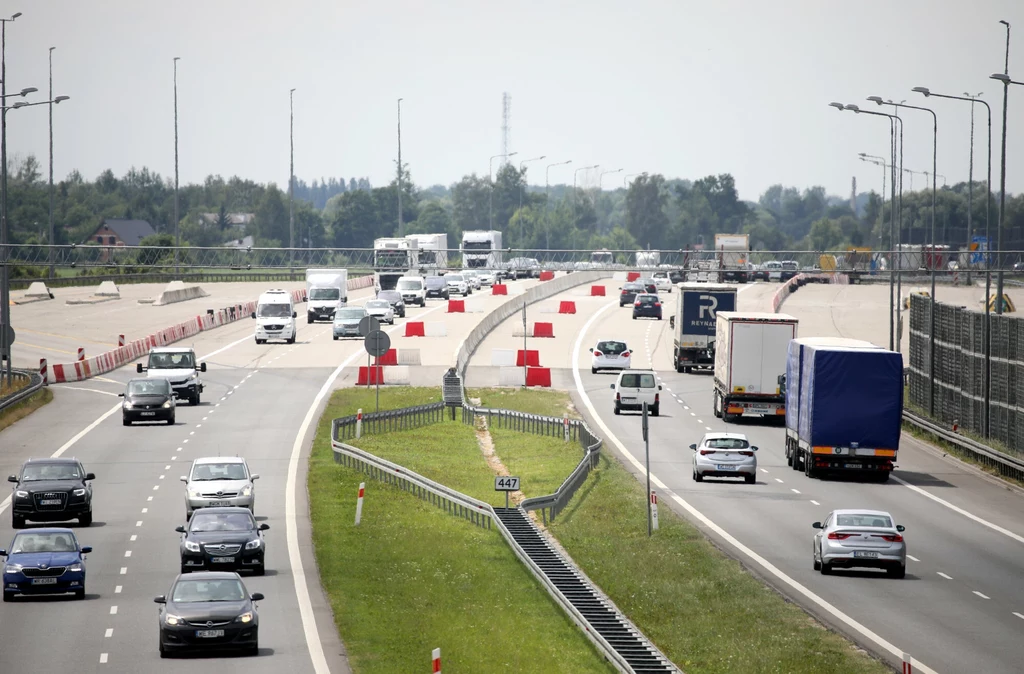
pixel 326 292
pixel 433 252
pixel 751 350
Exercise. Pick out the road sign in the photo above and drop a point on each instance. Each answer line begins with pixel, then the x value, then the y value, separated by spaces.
pixel 377 343
pixel 644 422
pixel 506 483
pixel 367 325
pixel 10 334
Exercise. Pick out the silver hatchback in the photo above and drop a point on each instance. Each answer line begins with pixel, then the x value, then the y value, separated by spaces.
pixel 860 538
pixel 219 481
pixel 724 455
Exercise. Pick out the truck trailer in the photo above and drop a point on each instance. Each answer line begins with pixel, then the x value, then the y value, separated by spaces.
pixel 394 258
pixel 733 252
pixel 433 252
pixel 326 292
pixel 694 323
pixel 844 407
pixel 750 363
pixel 482 250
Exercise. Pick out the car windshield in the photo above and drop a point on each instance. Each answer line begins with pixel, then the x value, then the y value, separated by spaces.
pixel 455 278
pixel 50 471
pixel 435 282
pixel 350 313
pixel 632 287
pixel 378 304
pixel 324 294
pixel 863 520
pixel 726 443
pixel 409 284
pixel 274 311
pixel 637 380
pixel 149 387
pixel 171 361
pixel 611 348
pixel 646 299
pixel 204 472
pixel 44 542
pixel 193 591
pixel 207 521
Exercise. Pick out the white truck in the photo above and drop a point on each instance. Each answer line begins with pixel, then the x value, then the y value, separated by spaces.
pixel 433 252
pixel 648 259
pixel 392 259
pixel 751 350
pixel 326 292
pixel 603 257
pixel 482 250
pixel 178 365
pixel 733 250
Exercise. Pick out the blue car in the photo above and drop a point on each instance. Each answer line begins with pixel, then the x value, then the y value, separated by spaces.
pixel 44 561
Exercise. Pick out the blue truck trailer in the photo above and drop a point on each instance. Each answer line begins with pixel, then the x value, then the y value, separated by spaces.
pixel 844 407
pixel 693 324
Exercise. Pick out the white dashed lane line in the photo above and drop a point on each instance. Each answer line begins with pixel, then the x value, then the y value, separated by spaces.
pixel 983 596
pixel 109 633
pixel 913 558
pixel 944 575
pixel 124 570
pixel 815 502
pixel 795 491
pixel 103 658
pixel 113 610
pixel 1019 615
pixel 778 480
pixel 764 470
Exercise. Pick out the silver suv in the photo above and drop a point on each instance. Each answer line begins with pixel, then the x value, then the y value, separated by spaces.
pixel 219 481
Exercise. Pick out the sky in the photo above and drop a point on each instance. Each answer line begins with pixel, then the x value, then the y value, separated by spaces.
pixel 680 88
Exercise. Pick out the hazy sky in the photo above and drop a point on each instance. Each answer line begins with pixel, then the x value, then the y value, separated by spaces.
pixel 675 87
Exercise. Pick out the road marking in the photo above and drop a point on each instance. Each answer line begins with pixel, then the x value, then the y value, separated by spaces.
pixel 707 428
pixel 173 457
pixel 124 570
pixel 778 480
pixel 693 414
pixel 198 426
pixel 109 633
pixel 913 558
pixel 945 576
pixel 686 407
pixel 91 390
pixel 113 610
pixel 46 348
pixel 134 537
pixel 127 553
pixel 205 418
pixel 795 491
pixel 168 466
pixel 815 502
pixel 191 433
pixel 155 487
pixel 729 538
pixel 990 525
pixel 149 498
pixel 145 510
pixel 983 596
pixel 183 442
pixel 700 421
pixel 103 658
pixel 764 470
pixel 162 477
pixel 1019 615
pixel 117 590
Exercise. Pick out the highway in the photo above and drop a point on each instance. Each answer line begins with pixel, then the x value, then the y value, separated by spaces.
pixel 260 401
pixel 960 607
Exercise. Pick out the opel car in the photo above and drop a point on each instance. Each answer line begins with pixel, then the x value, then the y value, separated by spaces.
pixel 724 455
pixel 222 538
pixel 209 611
pixel 147 400
pixel 217 481
pixel 381 310
pixel 436 287
pixel 860 538
pixel 51 490
pixel 44 561
pixel 610 355
pixel 346 322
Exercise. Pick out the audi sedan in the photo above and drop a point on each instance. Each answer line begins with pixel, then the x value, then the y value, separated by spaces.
pixel 724 455
pixel 222 538
pixel 44 561
pixel 208 611
pixel 860 538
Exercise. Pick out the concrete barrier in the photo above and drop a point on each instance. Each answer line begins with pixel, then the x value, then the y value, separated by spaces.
pixel 503 357
pixel 38 290
pixel 172 296
pixel 108 289
pixel 409 357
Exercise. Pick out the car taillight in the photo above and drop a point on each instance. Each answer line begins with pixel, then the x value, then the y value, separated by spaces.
pixel 625 292
pixel 657 304
pixel 705 452
pixel 598 353
pixel 617 397
pixel 834 536
pixel 747 453
pixel 657 398
pixel 893 538
pixel 625 354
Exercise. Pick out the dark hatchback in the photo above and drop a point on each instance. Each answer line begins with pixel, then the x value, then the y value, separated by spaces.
pixel 211 611
pixel 222 538
pixel 147 400
pixel 647 306
pixel 436 286
pixel 676 276
pixel 51 490
pixel 395 299
pixel 629 293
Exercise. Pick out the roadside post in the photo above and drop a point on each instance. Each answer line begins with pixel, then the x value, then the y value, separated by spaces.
pixel 647 461
pixel 435 658
pixel 907 664
pixel 359 423
pixel 654 509
pixel 359 503
pixel 565 426
pixel 506 484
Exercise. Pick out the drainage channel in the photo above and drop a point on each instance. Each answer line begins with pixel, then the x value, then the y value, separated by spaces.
pixel 604 619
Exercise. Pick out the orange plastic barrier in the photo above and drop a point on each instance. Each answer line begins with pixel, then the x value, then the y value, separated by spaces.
pixel 389 358
pixel 499 289
pixel 456 306
pixel 547 275
pixel 567 307
pixel 597 291
pixel 370 375
pixel 632 276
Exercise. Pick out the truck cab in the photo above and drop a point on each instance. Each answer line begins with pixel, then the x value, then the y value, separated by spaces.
pixel 178 365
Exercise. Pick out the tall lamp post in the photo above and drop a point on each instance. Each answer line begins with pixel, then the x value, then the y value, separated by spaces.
pixel 52 238
pixel 547 183
pixel 490 181
pixel 1005 79
pixel 401 225
pixel 177 235
pixel 522 229
pixel 291 177
pixel 574 174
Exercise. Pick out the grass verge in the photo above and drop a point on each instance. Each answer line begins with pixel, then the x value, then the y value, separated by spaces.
pixel 20 410
pixel 411 578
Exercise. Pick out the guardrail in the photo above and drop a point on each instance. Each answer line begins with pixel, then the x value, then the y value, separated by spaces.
pixel 35 384
pixel 1006 465
pixel 388 421
pixel 297 276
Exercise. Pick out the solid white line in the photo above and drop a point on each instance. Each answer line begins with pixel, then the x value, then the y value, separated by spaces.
pixel 983 596
pixel 764 563
pixel 103 658
pixel 815 502
pixel 944 575
pixel 913 558
pixel 990 525
pixel 109 633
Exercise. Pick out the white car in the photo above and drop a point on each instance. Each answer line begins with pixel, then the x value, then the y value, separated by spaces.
pixel 219 481
pixel 457 284
pixel 472 278
pixel 610 355
pixel 860 538
pixel 487 278
pixel 633 388
pixel 724 455
pixel 662 282
pixel 381 310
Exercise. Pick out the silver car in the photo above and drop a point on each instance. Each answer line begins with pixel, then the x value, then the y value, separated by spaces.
pixel 219 481
pixel 472 278
pixel 860 538
pixel 724 455
pixel 458 284
pixel 381 310
pixel 346 322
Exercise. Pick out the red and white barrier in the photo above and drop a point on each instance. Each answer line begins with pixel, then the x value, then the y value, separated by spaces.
pixel 81 354
pixel 436 329
pixel 499 289
pixel 414 329
pixel 389 358
pixel 908 664
pixel 359 502
pixel 435 657
pixel 597 291
pixel 370 375
pixel 632 276
pixel 567 307
pixel 546 275
pixel 43 370
pixel 456 306
pixel 538 376
pixel 654 510
pixel 543 330
pixel 503 357
pixel 120 341
pixel 565 428
pixel 530 356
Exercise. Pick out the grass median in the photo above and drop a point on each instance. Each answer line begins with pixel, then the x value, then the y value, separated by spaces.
pixel 411 578
pixel 20 410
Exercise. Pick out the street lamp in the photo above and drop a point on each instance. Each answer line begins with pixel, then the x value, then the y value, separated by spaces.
pixel 574 174
pixel 626 177
pixel 401 225
pixel 177 235
pixel 600 178
pixel 522 229
pixel 52 238
pixel 490 182
pixel 24 92
pixel 547 228
pixel 291 177
pixel 1005 79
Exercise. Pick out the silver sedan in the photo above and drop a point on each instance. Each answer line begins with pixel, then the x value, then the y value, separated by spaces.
pixel 860 538
pixel 724 455
pixel 381 310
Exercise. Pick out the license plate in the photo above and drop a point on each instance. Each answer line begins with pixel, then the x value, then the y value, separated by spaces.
pixel 757 406
pixel 629 400
pixel 852 465
pixel 148 414
pixel 44 581
pixel 865 554
pixel 222 560
pixel 209 634
pixel 49 501
pixel 725 467
pixel 215 504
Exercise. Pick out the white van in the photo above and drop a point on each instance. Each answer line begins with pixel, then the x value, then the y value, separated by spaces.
pixel 633 388
pixel 275 317
pixel 413 289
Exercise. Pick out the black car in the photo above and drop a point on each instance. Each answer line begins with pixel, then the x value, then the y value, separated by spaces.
pixel 222 538
pixel 790 268
pixel 436 286
pixel 648 285
pixel 395 298
pixel 676 276
pixel 147 400
pixel 629 293
pixel 208 611
pixel 51 490
pixel 647 306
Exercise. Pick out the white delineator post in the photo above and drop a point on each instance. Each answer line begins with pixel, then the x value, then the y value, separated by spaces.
pixel 654 510
pixel 359 502
pixel 120 340
pixel 81 353
pixel 907 664
pixel 436 661
pixel 43 371
pixel 359 422
pixel 565 425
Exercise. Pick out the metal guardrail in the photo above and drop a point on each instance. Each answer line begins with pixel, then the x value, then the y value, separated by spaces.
pixel 35 384
pixel 294 276
pixel 1006 465
pixel 389 420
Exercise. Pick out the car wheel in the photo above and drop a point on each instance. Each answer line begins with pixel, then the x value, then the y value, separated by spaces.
pixel 196 398
pixel 188 515
pixel 656 409
pixel 85 520
pixel 335 338
pixel 750 479
pixel 897 572
pixel 80 594
pixel 259 570
pixel 291 341
pixel 883 476
pixel 126 422
pixel 170 421
pixel 17 523
pixel 163 653
pixel 593 370
pixel 308 320
pixel 697 477
pixel 617 410
pixel 826 569
pixel 254 650
pixel 816 564
pixel 185 569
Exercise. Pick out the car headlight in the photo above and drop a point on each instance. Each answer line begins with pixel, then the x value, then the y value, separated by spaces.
pixel 191 547
pixel 244 618
pixel 78 492
pixel 247 490
pixel 253 544
pixel 174 619
pixel 76 567
pixel 12 568
pixel 167 405
pixel 127 405
pixel 21 494
pixel 193 492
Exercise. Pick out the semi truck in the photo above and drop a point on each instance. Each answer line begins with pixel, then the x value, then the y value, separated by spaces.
pixel 326 292
pixel 482 250
pixel 733 251
pixel 648 259
pixel 603 257
pixel 844 407
pixel 432 251
pixel 392 259
pixel 694 323
pixel 750 363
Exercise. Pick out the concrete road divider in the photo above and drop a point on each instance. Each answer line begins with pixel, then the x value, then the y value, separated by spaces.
pixel 108 289
pixel 389 358
pixel 456 306
pixel 567 307
pixel 414 329
pixel 597 291
pixel 436 329
pixel 503 357
pixel 499 289
pixel 538 376
pixel 511 376
pixel 179 294
pixel 546 276
pixel 530 356
pixel 619 276
pixel 409 357
pixel 543 329
pixel 37 292
pixel 398 375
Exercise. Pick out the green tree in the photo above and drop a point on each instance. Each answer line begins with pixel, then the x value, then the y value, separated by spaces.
pixel 645 210
pixel 825 235
pixel 356 224
pixel 271 221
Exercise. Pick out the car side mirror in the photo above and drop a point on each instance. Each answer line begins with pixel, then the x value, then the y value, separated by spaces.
pixel 180 529
pixel 120 395
pixel 160 600
pixel 611 386
pixel 254 476
pixel 591 349
pixel 90 476
pixel 12 478
pixel 659 387
pixel 183 478
pixel 753 448
pixel 295 314
pixel 693 447
pixel 817 525
pixel 138 367
pixel 264 526
pixel 86 549
pixel 256 596
pixel 3 552
pixel 202 367
pixel 253 315
pixel 900 528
